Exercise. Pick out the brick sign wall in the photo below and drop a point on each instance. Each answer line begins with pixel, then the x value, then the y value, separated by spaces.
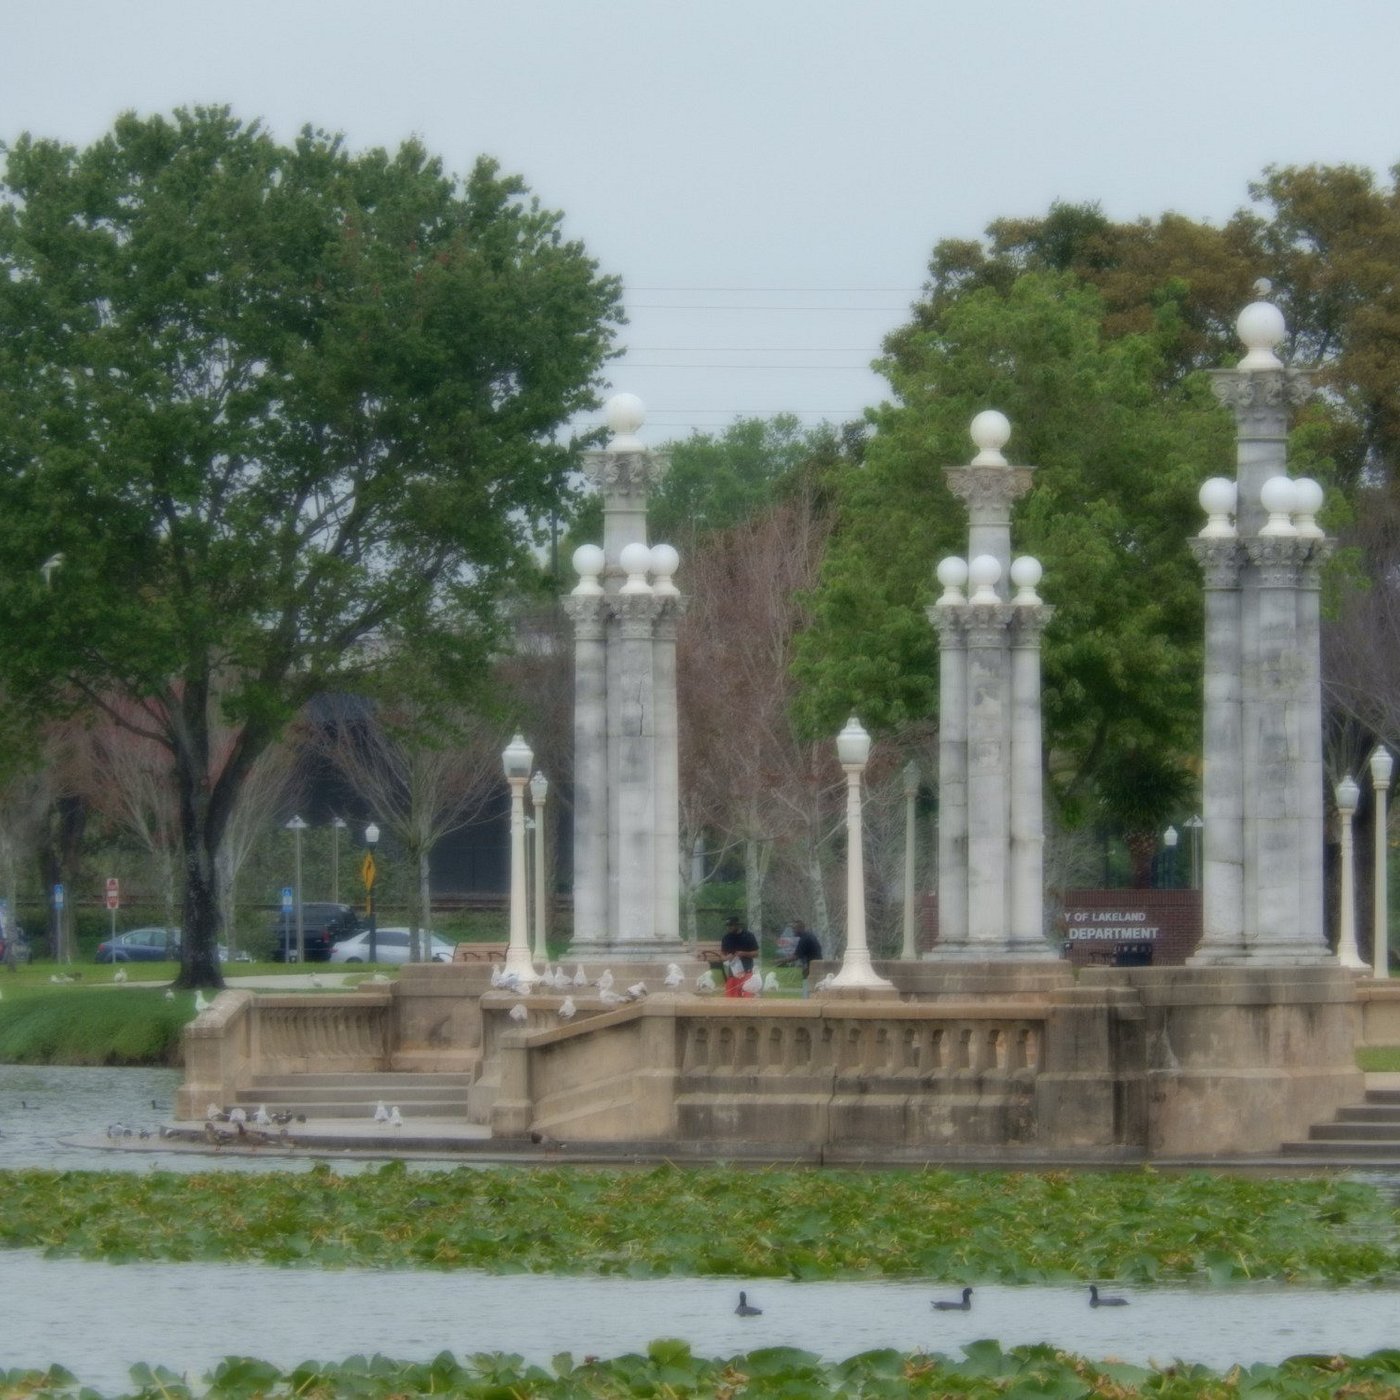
pixel 1101 926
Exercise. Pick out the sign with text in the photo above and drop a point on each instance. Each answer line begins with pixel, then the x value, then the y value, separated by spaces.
pixel 114 895
pixel 1130 927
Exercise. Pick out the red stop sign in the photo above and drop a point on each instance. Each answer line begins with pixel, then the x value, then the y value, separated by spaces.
pixel 113 892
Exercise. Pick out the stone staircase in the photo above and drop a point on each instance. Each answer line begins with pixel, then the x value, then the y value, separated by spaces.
pixel 1365 1132
pixel 355 1096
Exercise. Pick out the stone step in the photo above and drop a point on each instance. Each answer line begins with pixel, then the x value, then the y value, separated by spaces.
pixel 1383 1096
pixel 1355 1132
pixel 353 1094
pixel 1344 1149
pixel 389 1078
pixel 1370 1113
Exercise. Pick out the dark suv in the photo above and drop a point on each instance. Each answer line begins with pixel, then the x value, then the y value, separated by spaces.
pixel 322 926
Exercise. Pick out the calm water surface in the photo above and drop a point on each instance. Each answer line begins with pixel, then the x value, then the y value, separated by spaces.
pixel 98 1319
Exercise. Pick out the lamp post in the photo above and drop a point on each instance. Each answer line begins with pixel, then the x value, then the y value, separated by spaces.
pixel 296 826
pixel 1382 766
pixel 1347 794
pixel 516 760
pixel 337 826
pixel 368 874
pixel 910 951
pixel 539 795
pixel 1194 826
pixel 1170 837
pixel 853 749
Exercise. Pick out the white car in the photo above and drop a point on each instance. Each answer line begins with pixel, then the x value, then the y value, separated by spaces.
pixel 391 945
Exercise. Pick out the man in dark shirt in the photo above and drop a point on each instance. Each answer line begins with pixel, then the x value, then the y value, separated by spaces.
pixel 806 951
pixel 739 943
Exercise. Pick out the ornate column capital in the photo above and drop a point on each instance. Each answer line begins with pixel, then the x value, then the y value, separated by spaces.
pixel 1261 399
pixel 986 623
pixel 947 620
pixel 1310 570
pixel 985 488
pixel 637 613
pixel 1028 623
pixel 669 611
pixel 1277 559
pixel 589 614
pixel 628 474
pixel 1220 561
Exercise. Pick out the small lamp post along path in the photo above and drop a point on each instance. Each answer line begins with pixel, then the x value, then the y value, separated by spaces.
pixel 517 760
pixel 910 950
pixel 368 873
pixel 337 826
pixel 1348 794
pixel 1382 766
pixel 539 795
pixel 1171 836
pixel 856 974
pixel 296 826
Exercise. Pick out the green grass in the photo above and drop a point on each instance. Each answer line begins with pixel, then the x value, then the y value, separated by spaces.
pixel 1023 1227
pixel 1379 1058
pixel 45 1025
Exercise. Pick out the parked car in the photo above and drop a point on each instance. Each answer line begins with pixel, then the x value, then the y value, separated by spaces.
pixel 14 947
pixel 323 925
pixel 141 945
pixel 391 945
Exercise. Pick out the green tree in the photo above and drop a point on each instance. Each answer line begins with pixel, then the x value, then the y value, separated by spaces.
pixel 280 413
pixel 1111 508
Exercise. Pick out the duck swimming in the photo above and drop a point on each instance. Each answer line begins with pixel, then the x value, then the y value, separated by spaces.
pixel 746 1309
pixel 942 1305
pixel 1096 1302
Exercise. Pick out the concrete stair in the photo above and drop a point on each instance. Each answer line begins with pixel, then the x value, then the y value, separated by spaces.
pixel 1368 1131
pixel 354 1096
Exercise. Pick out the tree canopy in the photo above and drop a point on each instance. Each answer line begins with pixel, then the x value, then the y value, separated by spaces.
pixel 273 415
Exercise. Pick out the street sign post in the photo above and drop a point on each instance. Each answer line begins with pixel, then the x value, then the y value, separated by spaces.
pixel 113 900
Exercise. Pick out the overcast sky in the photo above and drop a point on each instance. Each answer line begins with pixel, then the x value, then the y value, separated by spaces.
pixel 768 177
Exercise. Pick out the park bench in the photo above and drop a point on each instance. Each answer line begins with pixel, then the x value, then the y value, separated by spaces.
pixel 479 952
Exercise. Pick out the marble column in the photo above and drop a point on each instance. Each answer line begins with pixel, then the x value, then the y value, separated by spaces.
pixel 952 766
pixel 1027 914
pixel 588 609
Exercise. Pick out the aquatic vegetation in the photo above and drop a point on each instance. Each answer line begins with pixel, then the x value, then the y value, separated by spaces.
pixel 669 1368
pixel 1022 1227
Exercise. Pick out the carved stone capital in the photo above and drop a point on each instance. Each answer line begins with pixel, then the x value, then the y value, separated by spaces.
pixel 669 611
pixel 988 488
pixel 589 614
pixel 947 620
pixel 986 624
pixel 1261 399
pixel 1310 572
pixel 1028 623
pixel 626 474
pixel 1277 559
pixel 637 614
pixel 1220 561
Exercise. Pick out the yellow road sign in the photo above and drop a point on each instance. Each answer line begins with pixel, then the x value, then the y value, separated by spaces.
pixel 367 870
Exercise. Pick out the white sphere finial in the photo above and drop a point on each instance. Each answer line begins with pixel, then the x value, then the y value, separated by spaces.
pixel 952 574
pixel 984 573
pixel 1026 574
pixel 1279 497
pixel 1261 327
pixel 1308 497
pixel 625 414
pixel 1218 496
pixel 635 560
pixel 588 565
pixel 990 431
pixel 665 560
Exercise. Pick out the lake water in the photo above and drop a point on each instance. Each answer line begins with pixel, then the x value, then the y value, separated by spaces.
pixel 98 1319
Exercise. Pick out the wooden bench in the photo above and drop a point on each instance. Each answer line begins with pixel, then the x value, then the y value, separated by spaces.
pixel 479 952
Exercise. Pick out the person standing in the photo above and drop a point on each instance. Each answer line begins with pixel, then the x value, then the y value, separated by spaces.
pixel 806 951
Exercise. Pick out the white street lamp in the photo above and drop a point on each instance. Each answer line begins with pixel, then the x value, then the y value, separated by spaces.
pixel 517 760
pixel 853 749
pixel 539 795
pixel 1170 837
pixel 337 826
pixel 296 826
pixel 1348 794
pixel 370 874
pixel 1382 766
pixel 910 951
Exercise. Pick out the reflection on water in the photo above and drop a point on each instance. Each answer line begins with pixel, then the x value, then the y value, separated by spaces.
pixel 98 1319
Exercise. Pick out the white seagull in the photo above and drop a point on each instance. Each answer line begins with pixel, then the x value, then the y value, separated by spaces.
pixel 119 975
pixel 518 1012
pixel 705 983
pixel 262 1117
pixel 637 990
pixel 201 1002
pixel 674 976
pixel 605 980
pixel 567 1008
pixel 381 1113
pixel 395 1117
pixel 580 977
pixel 770 983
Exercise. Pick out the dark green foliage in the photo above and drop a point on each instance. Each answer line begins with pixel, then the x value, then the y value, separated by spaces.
pixel 1021 1228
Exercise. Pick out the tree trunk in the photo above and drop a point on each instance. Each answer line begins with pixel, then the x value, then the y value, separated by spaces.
pixel 755 868
pixel 424 938
pixel 1142 846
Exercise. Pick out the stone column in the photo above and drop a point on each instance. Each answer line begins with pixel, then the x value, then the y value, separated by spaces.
pixel 632 744
pixel 588 611
pixel 1027 914
pixel 988 775
pixel 1312 775
pixel 952 778
pixel 1222 783
pixel 666 918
